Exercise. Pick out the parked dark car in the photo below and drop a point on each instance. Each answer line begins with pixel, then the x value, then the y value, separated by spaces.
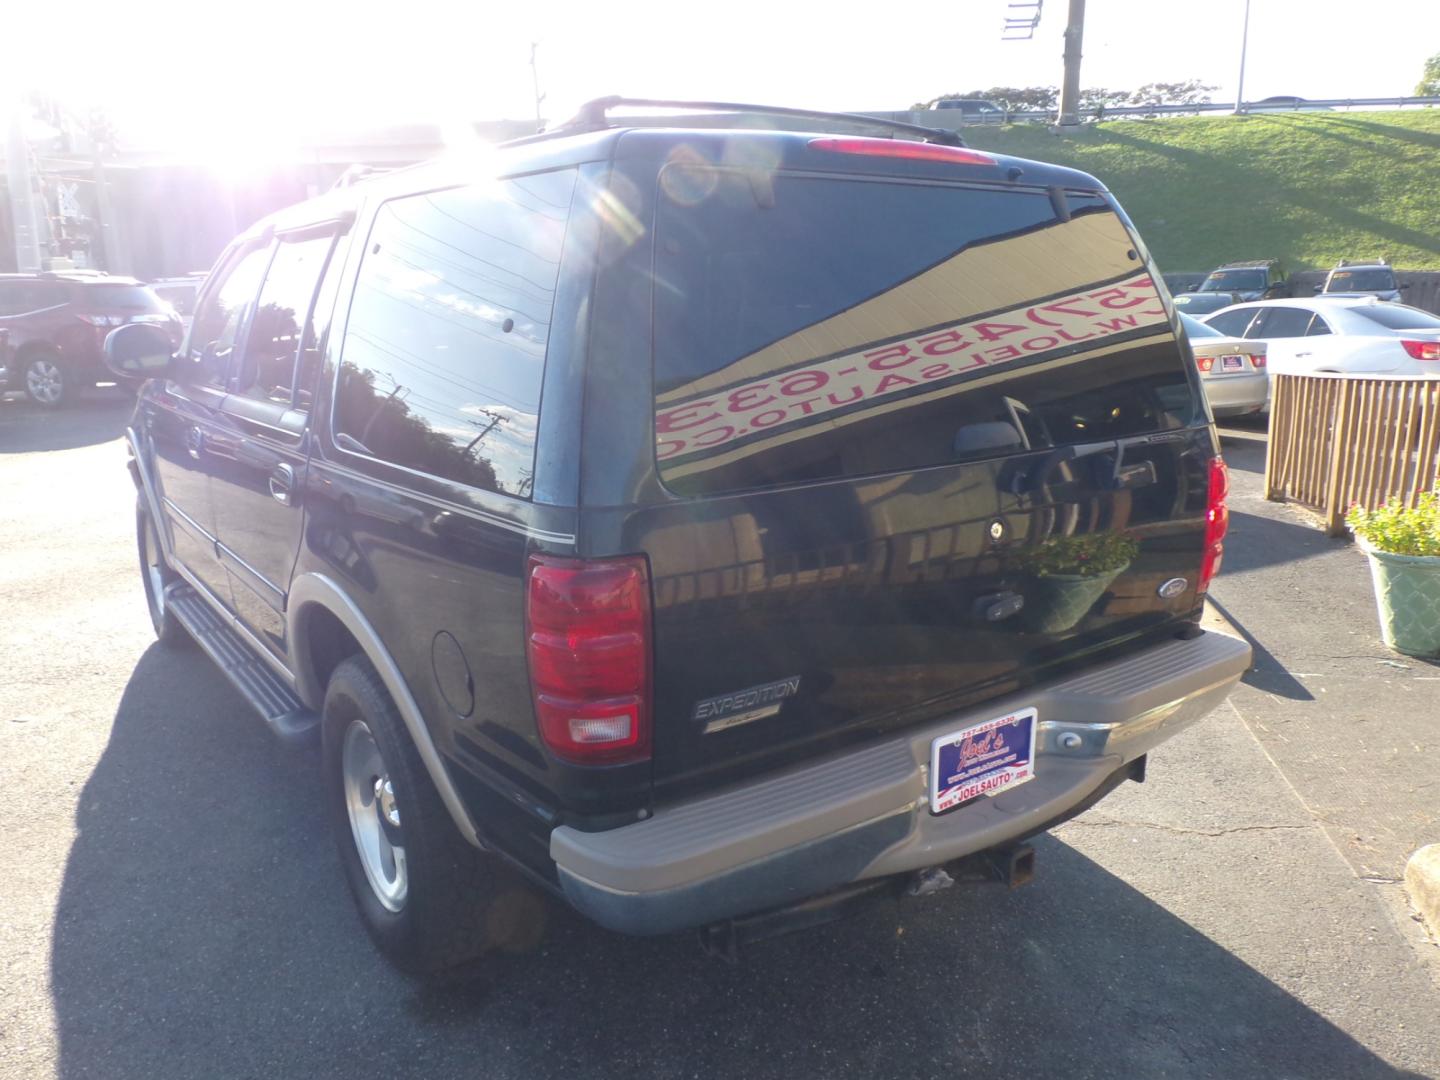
pixel 974 110
pixel 695 522
pixel 1258 279
pixel 1362 278
pixel 53 327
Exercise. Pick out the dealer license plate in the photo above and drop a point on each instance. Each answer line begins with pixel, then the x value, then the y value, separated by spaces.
pixel 1232 363
pixel 984 759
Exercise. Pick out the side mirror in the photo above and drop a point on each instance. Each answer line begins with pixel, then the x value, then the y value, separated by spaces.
pixel 139 351
pixel 1318 288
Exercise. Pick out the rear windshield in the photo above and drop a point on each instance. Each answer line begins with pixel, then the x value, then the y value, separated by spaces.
pixel 809 328
pixel 127 297
pixel 1399 317
pixel 1360 281
pixel 1225 280
pixel 1196 328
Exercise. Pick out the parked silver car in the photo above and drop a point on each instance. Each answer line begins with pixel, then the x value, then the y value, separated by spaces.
pixel 1232 370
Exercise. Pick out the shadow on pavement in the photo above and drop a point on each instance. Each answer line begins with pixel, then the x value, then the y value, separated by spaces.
pixel 99 416
pixel 203 929
pixel 1265 672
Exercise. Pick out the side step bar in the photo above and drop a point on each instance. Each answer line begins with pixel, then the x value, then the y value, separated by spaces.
pixel 276 703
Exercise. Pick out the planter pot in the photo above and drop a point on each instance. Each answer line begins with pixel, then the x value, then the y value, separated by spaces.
pixel 1407 594
pixel 1059 601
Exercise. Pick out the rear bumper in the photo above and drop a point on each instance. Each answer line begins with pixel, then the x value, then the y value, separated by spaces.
pixel 1233 394
pixel 866 814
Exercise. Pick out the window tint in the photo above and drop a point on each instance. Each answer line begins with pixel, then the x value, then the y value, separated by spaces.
pixel 1196 328
pixel 1232 323
pixel 1371 280
pixel 23 297
pixel 847 328
pixel 1280 322
pixel 1318 327
pixel 273 341
pixel 317 332
pixel 444 347
pixel 214 334
pixel 1224 280
pixel 1397 317
pixel 123 297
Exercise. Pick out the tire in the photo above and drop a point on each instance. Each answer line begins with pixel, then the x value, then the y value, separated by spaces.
pixel 441 902
pixel 155 576
pixel 45 381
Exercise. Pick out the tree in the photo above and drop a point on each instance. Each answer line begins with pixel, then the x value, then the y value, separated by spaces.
pixel 1046 98
pixel 1429 84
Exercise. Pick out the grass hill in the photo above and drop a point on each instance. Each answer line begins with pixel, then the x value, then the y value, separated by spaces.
pixel 1307 188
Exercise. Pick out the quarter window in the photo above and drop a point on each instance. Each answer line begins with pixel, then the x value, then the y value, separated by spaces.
pixel 444 347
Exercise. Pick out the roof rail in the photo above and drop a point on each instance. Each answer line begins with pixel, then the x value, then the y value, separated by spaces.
pixel 592 116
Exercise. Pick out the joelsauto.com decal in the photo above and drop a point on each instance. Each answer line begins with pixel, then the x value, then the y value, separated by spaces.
pixel 850 383
pixel 1070 291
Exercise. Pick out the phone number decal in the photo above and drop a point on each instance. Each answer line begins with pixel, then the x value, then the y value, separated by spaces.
pixel 702 424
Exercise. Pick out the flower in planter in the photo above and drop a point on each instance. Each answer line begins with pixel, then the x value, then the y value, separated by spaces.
pixel 1403 546
pixel 1085 555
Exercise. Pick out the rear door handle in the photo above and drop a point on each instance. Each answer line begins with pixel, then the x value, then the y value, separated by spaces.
pixel 282 484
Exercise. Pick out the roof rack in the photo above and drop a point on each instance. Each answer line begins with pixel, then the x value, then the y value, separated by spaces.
pixel 592 116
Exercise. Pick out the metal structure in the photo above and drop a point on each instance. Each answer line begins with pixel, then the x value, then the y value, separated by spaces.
pixel 1021 19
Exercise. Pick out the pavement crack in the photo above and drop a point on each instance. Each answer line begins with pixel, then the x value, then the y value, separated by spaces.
pixel 1103 823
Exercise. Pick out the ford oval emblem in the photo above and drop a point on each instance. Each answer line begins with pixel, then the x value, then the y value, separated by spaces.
pixel 1173 588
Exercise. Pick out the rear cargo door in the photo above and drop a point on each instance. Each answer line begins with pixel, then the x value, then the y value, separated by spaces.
pixel 924 443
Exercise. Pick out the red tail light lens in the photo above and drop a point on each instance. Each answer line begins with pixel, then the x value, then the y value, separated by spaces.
pixel 902 148
pixel 1204 363
pixel 1217 520
pixel 1257 360
pixel 1422 350
pixel 587 637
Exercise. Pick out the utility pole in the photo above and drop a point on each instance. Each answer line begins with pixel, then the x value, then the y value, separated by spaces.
pixel 1070 87
pixel 1244 41
pixel 535 80
pixel 22 193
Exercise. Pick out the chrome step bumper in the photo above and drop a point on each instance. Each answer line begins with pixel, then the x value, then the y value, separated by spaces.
pixel 866 814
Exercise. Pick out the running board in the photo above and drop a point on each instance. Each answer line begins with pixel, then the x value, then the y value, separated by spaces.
pixel 284 713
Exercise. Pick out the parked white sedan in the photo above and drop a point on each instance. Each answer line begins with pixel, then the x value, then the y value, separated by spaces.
pixel 1232 371
pixel 1360 335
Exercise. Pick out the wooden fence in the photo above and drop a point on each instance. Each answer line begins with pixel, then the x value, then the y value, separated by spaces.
pixel 1339 440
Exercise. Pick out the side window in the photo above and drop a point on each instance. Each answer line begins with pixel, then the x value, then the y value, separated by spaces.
pixel 1232 323
pixel 1318 326
pixel 216 329
pixel 444 347
pixel 267 372
pixel 317 330
pixel 1280 322
pixel 12 300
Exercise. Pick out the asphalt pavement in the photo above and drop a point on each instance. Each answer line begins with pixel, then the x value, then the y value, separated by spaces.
pixel 173 906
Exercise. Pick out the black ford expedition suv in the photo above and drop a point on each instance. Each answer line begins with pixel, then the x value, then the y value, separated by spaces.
pixel 698 522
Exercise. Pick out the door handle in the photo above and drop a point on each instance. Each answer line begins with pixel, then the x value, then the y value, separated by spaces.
pixel 195 442
pixel 282 484
pixel 1300 354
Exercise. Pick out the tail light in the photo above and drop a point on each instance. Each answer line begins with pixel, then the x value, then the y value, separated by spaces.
pixel 1422 350
pixel 588 638
pixel 1257 360
pixel 902 148
pixel 102 320
pixel 1217 520
pixel 1204 363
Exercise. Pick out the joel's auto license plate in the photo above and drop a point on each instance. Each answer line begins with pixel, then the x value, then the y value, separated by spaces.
pixel 1232 363
pixel 984 759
